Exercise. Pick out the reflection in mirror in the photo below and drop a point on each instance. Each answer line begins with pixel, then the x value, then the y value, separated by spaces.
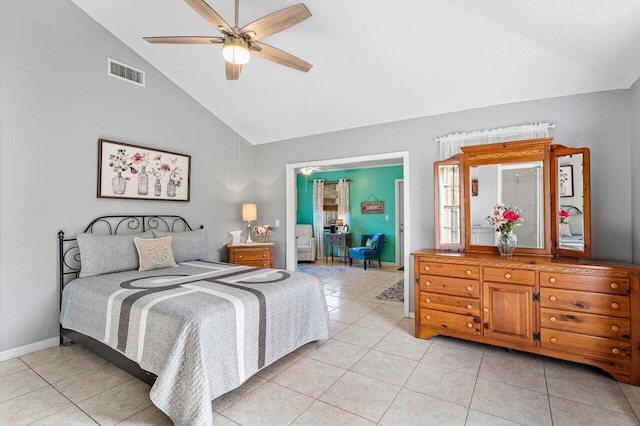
pixel 449 201
pixel 513 184
pixel 570 214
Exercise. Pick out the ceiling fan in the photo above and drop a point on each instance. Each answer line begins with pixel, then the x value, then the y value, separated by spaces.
pixel 239 42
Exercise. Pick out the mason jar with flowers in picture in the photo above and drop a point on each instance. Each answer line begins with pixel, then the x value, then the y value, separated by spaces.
pixel 504 219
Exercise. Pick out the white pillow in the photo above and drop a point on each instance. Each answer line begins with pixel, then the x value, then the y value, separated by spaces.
pixel 155 253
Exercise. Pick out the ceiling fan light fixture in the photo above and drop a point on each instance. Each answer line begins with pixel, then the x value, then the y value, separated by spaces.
pixel 236 50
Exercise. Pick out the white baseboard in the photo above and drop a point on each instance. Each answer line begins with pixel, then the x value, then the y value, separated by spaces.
pixel 27 349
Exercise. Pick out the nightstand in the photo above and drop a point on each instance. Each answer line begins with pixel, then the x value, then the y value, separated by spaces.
pixel 258 254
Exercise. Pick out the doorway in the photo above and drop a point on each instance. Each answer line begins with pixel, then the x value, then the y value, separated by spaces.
pixel 401 157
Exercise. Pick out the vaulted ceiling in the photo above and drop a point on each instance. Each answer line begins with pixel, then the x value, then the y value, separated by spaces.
pixel 378 61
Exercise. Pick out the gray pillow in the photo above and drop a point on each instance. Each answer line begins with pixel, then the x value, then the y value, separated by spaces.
pixel 188 245
pixel 103 254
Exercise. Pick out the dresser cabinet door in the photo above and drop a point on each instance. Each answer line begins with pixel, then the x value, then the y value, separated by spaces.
pixel 508 312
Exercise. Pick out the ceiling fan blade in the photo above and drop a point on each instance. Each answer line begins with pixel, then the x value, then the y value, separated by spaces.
pixel 210 15
pixel 276 22
pixel 282 58
pixel 232 70
pixel 185 40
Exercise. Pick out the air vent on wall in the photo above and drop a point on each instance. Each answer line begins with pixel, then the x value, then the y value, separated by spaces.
pixel 125 72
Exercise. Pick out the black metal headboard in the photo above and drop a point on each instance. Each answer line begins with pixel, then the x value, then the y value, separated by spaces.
pixel 69 254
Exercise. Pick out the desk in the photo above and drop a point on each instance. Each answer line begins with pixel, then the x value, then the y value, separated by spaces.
pixel 337 240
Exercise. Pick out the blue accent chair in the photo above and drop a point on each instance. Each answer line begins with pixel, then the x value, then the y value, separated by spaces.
pixel 365 253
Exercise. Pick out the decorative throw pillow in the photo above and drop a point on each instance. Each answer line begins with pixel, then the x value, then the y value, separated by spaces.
pixel 188 245
pixel 370 244
pixel 564 230
pixel 155 253
pixel 104 254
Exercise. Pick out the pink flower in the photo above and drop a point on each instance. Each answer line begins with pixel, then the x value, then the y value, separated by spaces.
pixel 511 216
pixel 138 158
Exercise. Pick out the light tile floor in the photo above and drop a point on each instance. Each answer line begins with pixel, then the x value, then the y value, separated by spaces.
pixel 371 371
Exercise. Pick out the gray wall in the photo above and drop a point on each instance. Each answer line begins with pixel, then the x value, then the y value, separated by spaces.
pixel 635 170
pixel 56 102
pixel 600 121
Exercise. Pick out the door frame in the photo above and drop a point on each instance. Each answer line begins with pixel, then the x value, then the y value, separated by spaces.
pixel 290 178
pixel 399 247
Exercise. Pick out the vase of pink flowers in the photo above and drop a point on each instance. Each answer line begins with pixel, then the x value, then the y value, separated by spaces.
pixel 504 219
pixel 262 233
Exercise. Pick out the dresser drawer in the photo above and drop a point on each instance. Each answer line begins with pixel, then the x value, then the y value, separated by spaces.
pixel 505 275
pixel 455 304
pixel 578 322
pixel 582 301
pixel 242 256
pixel 585 283
pixel 450 286
pixel 449 321
pixel 254 263
pixel 459 271
pixel 585 345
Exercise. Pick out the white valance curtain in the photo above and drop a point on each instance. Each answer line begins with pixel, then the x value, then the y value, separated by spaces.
pixel 318 215
pixel 452 144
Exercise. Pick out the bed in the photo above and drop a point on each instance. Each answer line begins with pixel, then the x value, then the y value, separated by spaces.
pixel 196 330
pixel 571 232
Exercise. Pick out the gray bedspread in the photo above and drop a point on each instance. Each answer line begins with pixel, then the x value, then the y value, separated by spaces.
pixel 203 328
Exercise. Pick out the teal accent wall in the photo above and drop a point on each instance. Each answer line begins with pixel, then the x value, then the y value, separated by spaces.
pixel 379 181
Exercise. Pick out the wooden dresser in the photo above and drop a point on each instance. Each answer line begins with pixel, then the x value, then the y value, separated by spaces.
pixel 585 311
pixel 257 254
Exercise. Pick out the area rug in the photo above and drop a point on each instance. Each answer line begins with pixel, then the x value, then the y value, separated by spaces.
pixel 321 270
pixel 395 293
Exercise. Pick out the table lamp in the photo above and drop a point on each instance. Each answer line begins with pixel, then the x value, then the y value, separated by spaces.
pixel 249 213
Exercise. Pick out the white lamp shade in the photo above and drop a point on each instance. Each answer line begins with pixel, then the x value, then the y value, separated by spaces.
pixel 236 51
pixel 249 212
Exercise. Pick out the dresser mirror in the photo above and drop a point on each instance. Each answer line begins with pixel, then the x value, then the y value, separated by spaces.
pixel 449 218
pixel 514 184
pixel 572 225
pixel 537 177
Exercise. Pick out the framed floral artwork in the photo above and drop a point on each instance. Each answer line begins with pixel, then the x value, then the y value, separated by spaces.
pixel 142 173
pixel 565 178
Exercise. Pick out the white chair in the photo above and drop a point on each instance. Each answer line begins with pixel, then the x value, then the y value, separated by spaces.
pixel 305 243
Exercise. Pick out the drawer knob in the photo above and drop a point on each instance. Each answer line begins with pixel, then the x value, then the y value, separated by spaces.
pixel 615 351
pixel 507 275
pixel 468 272
pixel 428 317
pixel 469 325
pixel 485 309
pixel 427 300
pixel 469 287
pixel 427 268
pixel 552 280
pixel 553 340
pixel 553 319
pixel 615 305
pixel 428 283
pixel 615 328
pixel 553 298
pixel 240 257
pixel 469 306
pixel 614 285
pixel 264 255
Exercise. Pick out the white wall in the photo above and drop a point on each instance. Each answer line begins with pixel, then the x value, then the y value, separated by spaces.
pixel 599 121
pixel 635 169
pixel 56 101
